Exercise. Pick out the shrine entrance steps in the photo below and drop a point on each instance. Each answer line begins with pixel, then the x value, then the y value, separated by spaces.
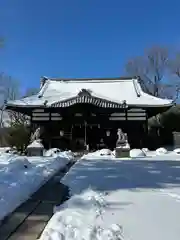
pixel 29 220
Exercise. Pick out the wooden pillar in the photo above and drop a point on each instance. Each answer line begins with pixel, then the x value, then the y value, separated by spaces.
pixel 71 132
pixel 50 137
pixel 85 134
pixel 126 115
pixel 146 131
pixel 31 127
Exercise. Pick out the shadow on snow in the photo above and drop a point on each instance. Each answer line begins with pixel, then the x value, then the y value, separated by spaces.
pixel 111 175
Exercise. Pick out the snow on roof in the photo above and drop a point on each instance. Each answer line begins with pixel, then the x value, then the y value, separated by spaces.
pixel 35 144
pixel 56 92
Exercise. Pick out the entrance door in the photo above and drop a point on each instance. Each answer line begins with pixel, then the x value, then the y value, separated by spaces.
pixel 78 136
pixel 86 134
pixel 93 135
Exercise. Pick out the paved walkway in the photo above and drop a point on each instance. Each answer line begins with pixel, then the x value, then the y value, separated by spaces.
pixel 28 221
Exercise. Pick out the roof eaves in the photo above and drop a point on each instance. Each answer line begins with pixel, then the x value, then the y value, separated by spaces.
pixel 24 106
pixel 170 104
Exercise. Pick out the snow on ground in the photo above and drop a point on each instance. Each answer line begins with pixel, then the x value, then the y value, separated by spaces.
pixel 112 198
pixel 4 149
pixel 103 153
pixel 84 223
pixel 21 176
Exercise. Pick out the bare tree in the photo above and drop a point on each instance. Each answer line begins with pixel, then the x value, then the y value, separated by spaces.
pixel 152 68
pixel 9 88
pixel 17 118
pixel 13 128
pixel 174 66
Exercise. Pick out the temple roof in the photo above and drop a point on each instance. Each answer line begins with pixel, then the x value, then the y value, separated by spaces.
pixel 113 92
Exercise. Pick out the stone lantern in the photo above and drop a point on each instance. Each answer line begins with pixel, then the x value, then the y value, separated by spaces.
pixel 61 133
pixel 108 133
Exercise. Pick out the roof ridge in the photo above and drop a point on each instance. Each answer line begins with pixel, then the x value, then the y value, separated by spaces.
pixel 91 79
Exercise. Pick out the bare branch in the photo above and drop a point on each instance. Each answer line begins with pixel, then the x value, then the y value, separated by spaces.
pixel 18 118
pixel 151 68
pixel 9 88
pixel 174 65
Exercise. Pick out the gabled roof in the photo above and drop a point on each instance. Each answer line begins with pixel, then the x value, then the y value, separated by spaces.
pixel 113 92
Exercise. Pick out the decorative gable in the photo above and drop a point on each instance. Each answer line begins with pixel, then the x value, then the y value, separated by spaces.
pixel 84 92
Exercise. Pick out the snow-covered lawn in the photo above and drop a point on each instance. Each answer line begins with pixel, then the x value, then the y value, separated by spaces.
pixel 116 199
pixel 21 176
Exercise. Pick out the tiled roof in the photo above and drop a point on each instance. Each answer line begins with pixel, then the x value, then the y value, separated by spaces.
pixel 102 92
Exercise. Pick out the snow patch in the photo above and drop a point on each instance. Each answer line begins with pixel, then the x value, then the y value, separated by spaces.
pixel 145 150
pixel 137 153
pixel 177 150
pixel 103 153
pixel 51 152
pixel 36 144
pixel 161 151
pixel 5 149
pixel 56 152
pixel 67 154
pixel 80 218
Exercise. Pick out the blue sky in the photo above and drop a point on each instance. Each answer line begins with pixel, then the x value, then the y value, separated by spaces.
pixel 81 38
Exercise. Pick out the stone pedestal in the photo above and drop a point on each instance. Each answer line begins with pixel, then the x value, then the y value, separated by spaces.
pixel 121 152
pixel 36 148
pixel 176 139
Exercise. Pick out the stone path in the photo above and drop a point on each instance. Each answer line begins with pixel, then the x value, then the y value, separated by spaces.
pixel 28 221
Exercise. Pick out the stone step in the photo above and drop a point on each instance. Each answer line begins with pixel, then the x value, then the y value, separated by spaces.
pixel 11 223
pixel 34 224
pixel 28 221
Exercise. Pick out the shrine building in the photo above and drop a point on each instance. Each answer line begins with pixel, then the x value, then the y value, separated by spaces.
pixel 74 113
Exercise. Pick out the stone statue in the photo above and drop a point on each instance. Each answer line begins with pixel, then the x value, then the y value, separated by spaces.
pixel 122 145
pixel 122 138
pixel 36 135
